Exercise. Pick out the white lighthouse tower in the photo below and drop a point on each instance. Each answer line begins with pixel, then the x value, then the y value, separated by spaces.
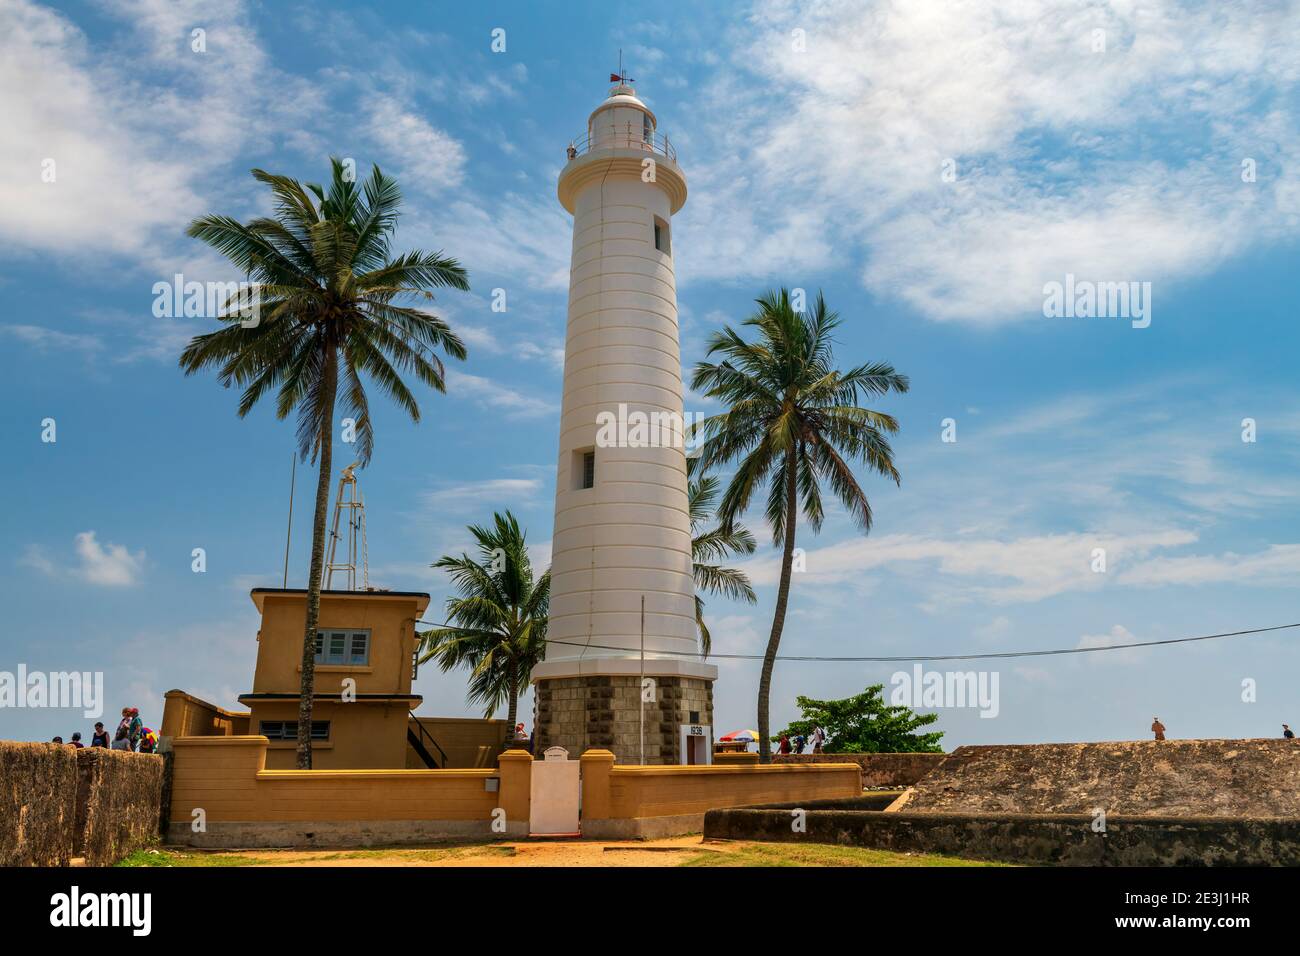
pixel 622 594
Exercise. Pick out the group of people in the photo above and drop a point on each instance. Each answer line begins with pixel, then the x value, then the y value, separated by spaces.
pixel 131 734
pixel 1158 729
pixel 799 743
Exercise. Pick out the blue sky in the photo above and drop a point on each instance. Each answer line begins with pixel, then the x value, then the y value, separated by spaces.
pixel 815 141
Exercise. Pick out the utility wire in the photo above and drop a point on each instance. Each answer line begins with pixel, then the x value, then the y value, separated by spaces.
pixel 933 657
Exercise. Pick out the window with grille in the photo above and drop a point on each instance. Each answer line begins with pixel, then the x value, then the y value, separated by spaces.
pixel 288 729
pixel 343 647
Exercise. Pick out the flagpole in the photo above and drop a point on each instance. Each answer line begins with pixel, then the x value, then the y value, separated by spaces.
pixel 288 534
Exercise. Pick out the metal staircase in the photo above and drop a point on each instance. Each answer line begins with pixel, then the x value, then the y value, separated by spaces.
pixel 419 743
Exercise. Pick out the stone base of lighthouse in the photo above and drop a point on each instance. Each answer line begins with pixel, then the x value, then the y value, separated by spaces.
pixel 587 711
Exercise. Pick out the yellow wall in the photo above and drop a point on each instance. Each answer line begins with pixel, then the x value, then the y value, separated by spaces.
pixel 227 778
pixel 187 716
pixel 390 619
pixel 615 792
pixel 363 735
pixel 467 741
pixel 742 758
pixel 247 803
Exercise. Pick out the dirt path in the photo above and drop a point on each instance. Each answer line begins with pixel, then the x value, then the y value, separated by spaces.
pixel 667 852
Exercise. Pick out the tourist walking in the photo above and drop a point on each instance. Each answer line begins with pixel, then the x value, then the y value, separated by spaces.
pixel 818 738
pixel 122 736
pixel 784 746
pixel 1157 728
pixel 100 737
pixel 136 729
pixel 76 741
pixel 799 742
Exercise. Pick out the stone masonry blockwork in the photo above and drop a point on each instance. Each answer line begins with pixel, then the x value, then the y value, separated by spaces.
pixel 579 713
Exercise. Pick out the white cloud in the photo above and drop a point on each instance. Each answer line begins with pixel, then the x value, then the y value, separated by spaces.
pixel 508 83
pixel 133 123
pixel 50 340
pixel 995 630
pixel 428 159
pixel 484 391
pixel 1117 636
pixel 111 564
pixel 108 565
pixel 988 570
pixel 540 556
pixel 736 634
pixel 453 496
pixel 35 557
pixel 521 238
pixel 1276 566
pixel 497 342
pixel 60 105
pixel 1122 165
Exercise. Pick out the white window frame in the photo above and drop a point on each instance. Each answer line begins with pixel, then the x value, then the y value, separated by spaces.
pixel 349 635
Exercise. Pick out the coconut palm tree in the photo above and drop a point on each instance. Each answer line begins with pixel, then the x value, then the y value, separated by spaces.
pixel 333 305
pixel 714 545
pixel 792 422
pixel 496 625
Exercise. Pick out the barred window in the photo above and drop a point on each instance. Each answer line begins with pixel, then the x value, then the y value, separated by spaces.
pixel 288 729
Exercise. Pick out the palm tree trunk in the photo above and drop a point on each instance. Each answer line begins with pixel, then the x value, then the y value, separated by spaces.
pixel 329 383
pixel 512 712
pixel 778 619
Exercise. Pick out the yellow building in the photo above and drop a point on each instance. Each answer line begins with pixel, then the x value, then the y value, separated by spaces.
pixel 363 706
pixel 365 657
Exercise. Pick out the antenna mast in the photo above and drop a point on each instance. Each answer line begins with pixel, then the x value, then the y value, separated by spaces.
pixel 349 499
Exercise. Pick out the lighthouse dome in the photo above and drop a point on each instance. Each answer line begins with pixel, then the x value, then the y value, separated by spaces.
pixel 622 120
pixel 623 129
pixel 622 96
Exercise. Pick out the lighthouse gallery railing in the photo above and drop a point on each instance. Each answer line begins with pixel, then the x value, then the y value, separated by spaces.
pixel 615 136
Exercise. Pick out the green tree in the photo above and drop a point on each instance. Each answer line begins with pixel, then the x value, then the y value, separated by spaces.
pixel 865 724
pixel 792 421
pixel 333 305
pixel 713 545
pixel 496 624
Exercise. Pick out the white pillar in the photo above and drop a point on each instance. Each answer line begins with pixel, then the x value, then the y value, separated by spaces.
pixel 628 534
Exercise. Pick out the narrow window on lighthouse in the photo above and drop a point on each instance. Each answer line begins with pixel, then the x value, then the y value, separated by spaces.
pixel 661 236
pixel 584 469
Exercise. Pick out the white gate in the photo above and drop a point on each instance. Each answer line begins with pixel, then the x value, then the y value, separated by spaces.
pixel 554 790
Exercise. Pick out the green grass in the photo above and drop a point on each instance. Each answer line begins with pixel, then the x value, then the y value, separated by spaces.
pixel 821 854
pixel 187 858
pixel 736 854
pixel 178 857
